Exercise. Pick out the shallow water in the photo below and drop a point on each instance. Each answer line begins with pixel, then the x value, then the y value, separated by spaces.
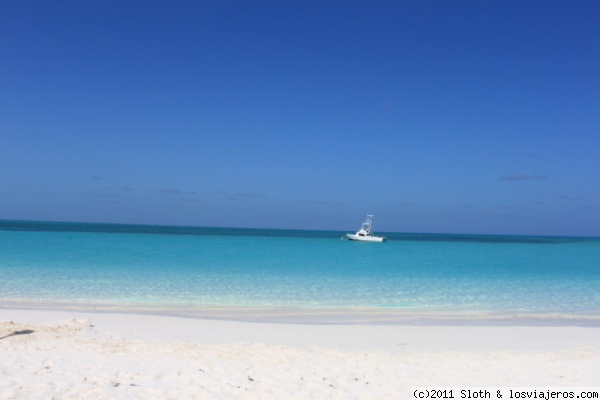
pixel 194 268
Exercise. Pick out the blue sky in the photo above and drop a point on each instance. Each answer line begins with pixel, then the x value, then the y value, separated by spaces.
pixel 436 116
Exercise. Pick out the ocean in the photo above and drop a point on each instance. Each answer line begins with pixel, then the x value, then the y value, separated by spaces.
pixel 187 270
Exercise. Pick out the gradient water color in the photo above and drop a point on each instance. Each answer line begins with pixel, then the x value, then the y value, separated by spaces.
pixel 184 268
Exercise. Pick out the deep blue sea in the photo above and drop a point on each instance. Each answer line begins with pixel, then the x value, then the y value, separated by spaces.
pixel 185 268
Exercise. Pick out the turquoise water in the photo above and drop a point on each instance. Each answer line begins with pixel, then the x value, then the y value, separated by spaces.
pixel 190 268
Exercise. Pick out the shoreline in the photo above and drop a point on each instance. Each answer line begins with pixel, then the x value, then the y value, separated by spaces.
pixel 104 355
pixel 329 316
pixel 355 336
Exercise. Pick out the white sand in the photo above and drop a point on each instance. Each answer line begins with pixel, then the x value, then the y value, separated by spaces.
pixel 83 355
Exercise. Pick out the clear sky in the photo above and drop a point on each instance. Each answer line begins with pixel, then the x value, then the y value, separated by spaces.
pixel 436 116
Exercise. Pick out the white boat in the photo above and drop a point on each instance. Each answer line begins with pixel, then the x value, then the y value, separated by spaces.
pixel 365 233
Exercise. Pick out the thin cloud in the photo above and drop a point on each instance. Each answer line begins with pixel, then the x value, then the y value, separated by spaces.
pixel 571 198
pixel 239 195
pixel 523 177
pixel 322 203
pixel 191 200
pixel 170 191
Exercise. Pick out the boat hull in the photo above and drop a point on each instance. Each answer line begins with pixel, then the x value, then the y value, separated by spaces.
pixel 357 238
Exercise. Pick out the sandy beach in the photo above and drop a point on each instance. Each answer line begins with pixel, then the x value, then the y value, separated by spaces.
pixel 90 355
